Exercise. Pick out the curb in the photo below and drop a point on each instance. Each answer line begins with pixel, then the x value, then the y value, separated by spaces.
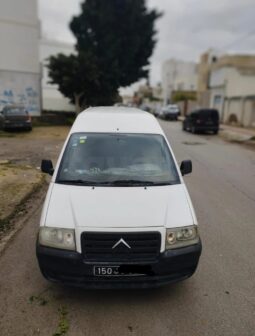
pixel 232 135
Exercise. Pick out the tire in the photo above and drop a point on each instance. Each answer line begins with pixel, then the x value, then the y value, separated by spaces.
pixel 183 127
pixel 216 132
pixel 193 130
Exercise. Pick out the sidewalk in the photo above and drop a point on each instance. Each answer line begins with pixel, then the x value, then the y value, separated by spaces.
pixel 235 133
pixel 238 134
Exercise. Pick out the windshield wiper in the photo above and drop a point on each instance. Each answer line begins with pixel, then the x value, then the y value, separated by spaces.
pixel 138 182
pixel 79 181
pixel 113 183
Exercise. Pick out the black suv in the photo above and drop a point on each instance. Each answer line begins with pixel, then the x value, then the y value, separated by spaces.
pixel 202 120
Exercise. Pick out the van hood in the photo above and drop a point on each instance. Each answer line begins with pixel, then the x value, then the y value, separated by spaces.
pixel 119 207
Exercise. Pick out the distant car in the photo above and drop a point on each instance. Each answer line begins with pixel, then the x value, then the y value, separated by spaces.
pixel 170 112
pixel 156 110
pixel 202 120
pixel 15 117
pixel 145 108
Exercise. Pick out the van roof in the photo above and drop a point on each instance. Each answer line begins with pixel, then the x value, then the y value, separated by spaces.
pixel 116 119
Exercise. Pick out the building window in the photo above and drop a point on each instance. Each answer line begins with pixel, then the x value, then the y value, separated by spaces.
pixel 217 100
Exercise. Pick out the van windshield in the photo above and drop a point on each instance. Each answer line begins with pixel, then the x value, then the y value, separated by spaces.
pixel 117 159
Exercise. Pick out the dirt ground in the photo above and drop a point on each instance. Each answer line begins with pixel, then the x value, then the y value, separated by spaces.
pixel 20 158
pixel 16 182
pixel 29 148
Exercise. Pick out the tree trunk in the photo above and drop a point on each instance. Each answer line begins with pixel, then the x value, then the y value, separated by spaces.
pixel 77 97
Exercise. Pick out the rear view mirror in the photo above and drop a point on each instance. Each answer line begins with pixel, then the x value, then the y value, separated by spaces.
pixel 47 167
pixel 186 167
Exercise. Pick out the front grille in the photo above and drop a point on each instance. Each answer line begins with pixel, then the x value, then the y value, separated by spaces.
pixel 98 246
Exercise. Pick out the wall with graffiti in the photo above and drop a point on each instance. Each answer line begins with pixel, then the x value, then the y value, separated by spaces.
pixel 20 88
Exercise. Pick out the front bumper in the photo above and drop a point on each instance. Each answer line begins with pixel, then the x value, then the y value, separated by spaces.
pixel 18 125
pixel 206 128
pixel 71 268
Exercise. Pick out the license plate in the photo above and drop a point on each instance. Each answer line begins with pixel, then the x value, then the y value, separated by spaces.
pixel 106 270
pixel 125 270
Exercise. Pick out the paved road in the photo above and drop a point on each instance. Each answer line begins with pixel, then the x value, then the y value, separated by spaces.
pixel 218 300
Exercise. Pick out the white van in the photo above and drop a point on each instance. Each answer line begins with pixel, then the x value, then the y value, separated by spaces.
pixel 117 213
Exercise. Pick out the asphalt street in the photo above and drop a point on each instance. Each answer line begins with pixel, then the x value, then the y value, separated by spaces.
pixel 218 300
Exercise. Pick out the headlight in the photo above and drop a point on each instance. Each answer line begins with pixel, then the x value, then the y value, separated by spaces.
pixel 181 237
pixel 58 238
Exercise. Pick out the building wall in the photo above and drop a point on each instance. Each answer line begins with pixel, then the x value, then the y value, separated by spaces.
pixel 187 106
pixel 20 88
pixel 240 82
pixel 232 92
pixel 52 99
pixel 207 60
pixel 178 76
pixel 240 110
pixel 19 56
pixel 217 96
pixel 248 113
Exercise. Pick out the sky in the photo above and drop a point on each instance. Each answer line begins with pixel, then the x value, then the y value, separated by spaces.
pixel 186 30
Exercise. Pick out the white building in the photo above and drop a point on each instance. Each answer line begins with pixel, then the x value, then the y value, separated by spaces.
pixel 178 75
pixel 232 88
pixel 19 54
pixel 52 99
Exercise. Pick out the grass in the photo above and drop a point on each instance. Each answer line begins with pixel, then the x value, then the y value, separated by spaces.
pixel 38 299
pixel 63 324
pixel 15 191
pixel 6 135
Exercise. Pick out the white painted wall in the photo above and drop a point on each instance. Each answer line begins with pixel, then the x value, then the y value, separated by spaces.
pixel 19 36
pixel 52 99
pixel 227 83
pixel 178 75
pixel 236 82
pixel 218 77
pixel 19 54
pixel 240 83
pixel 20 88
pixel 217 95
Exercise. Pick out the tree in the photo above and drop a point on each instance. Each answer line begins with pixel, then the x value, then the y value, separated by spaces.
pixel 115 39
pixel 183 96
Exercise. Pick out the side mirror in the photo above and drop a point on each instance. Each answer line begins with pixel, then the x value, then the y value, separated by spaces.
pixel 186 167
pixel 47 167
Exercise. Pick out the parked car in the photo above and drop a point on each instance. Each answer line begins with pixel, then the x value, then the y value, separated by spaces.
pixel 117 213
pixel 15 117
pixel 170 112
pixel 145 107
pixel 202 120
pixel 156 110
